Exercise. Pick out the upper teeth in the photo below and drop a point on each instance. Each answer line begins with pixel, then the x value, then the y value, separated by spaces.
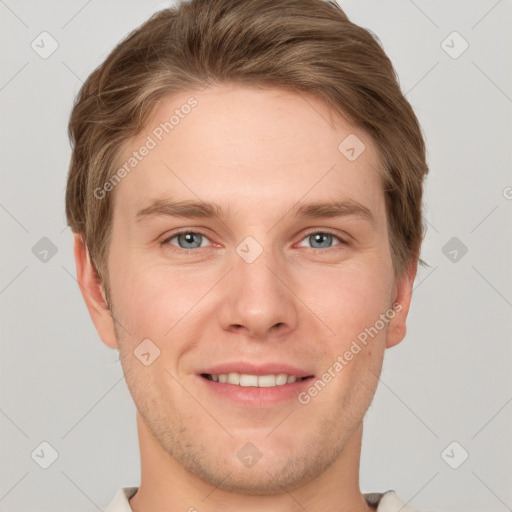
pixel 262 381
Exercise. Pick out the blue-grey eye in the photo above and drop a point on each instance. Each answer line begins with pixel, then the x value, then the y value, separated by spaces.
pixel 188 240
pixel 322 240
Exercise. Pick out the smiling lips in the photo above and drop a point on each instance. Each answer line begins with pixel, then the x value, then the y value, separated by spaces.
pixel 252 386
pixel 248 380
pixel 261 376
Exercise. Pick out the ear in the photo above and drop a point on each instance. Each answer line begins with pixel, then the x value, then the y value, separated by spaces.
pixel 93 293
pixel 402 301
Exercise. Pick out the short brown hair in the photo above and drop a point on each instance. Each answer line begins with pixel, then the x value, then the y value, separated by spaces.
pixel 305 46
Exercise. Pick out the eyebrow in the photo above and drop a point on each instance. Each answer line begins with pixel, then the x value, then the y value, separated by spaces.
pixel 333 209
pixel 185 209
pixel 204 209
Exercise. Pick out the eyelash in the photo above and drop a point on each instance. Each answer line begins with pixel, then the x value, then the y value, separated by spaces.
pixel 317 232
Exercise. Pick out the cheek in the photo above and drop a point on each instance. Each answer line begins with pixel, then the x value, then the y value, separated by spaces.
pixel 165 306
pixel 152 300
pixel 351 300
pixel 355 305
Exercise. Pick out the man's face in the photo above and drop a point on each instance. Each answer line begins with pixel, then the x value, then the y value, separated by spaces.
pixel 263 289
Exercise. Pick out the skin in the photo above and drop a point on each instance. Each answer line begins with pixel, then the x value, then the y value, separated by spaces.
pixel 256 152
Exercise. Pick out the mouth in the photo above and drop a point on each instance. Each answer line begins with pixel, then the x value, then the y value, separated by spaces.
pixel 256 381
pixel 255 386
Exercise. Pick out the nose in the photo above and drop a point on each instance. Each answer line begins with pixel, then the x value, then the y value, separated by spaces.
pixel 258 300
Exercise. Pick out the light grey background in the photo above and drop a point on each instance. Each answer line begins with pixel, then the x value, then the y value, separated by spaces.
pixel 450 380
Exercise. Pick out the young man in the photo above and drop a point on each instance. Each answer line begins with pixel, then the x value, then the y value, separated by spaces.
pixel 245 195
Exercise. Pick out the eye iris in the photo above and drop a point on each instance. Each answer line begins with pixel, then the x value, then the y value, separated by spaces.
pixel 323 239
pixel 188 239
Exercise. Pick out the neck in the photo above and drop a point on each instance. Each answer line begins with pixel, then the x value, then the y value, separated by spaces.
pixel 166 485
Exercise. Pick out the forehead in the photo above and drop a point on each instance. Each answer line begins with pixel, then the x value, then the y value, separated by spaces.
pixel 238 146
